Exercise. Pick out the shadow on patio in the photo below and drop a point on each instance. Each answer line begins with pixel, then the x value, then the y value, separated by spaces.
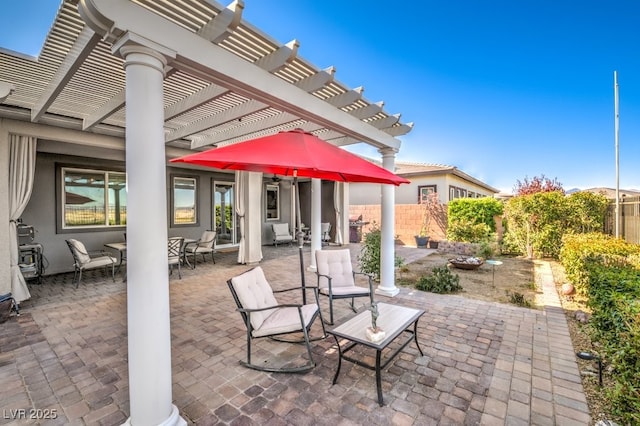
pixel 484 363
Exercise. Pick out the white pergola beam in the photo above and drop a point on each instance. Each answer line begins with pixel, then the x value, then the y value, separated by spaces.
pixel 109 108
pixel 386 122
pixel 399 130
pixel 237 133
pixel 367 111
pixel 346 98
pixel 316 81
pixel 224 23
pixel 279 58
pixel 199 98
pixel 230 114
pixel 81 49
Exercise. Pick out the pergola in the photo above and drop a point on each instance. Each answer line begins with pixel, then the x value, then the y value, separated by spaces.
pixel 159 79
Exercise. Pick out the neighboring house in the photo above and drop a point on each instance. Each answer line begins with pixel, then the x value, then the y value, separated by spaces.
pixel 610 193
pixel 448 182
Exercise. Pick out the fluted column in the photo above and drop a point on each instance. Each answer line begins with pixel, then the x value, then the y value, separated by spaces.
pixel 149 336
pixel 387 285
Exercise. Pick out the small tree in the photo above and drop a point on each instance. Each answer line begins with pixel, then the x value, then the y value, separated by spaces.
pixel 369 257
pixel 537 184
pixel 472 219
pixel 433 212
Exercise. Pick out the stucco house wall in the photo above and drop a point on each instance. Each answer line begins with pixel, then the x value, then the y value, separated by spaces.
pixel 42 210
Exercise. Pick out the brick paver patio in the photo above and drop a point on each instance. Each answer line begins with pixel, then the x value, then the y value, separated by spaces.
pixel 483 364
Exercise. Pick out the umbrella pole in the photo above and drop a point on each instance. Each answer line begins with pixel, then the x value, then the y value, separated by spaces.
pixel 300 237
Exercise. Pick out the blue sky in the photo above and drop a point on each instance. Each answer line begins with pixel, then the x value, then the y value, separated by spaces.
pixel 503 90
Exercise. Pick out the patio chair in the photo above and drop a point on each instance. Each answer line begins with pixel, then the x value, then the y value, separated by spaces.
pixel 337 280
pixel 205 245
pixel 84 260
pixel 325 229
pixel 281 233
pixel 265 317
pixel 174 250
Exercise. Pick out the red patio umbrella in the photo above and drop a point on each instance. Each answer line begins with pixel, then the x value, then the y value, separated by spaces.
pixel 294 153
pixel 286 153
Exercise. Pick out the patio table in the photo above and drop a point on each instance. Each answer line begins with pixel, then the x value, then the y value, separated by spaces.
pixel 394 320
pixel 121 248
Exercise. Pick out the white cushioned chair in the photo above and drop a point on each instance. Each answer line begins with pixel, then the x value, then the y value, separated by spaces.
pixel 205 245
pixel 325 232
pixel 264 316
pixel 337 279
pixel 84 260
pixel 281 233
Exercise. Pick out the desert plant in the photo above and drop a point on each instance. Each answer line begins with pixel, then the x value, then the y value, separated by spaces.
pixel 369 257
pixel 441 280
pixel 518 299
pixel 486 250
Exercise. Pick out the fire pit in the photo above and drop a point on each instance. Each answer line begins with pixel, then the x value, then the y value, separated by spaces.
pixel 469 263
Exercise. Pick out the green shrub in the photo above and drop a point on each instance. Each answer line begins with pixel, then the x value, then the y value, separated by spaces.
pixel 536 223
pixel 471 220
pixel 614 297
pixel 580 252
pixel 466 231
pixel 605 270
pixel 441 280
pixel 369 257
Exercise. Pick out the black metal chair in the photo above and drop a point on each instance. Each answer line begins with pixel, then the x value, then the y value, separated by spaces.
pixel 174 250
pixel 337 279
pixel 265 317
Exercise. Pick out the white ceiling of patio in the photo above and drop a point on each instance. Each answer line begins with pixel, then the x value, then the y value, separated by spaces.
pixel 77 82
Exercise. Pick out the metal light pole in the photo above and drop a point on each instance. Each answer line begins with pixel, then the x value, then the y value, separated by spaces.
pixel 617 138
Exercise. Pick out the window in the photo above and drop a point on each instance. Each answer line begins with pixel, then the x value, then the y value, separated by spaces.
pixel 456 192
pixel 424 192
pixel 93 198
pixel 272 202
pixel 184 200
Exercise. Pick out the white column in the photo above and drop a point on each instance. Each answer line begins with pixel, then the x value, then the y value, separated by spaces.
pixel 149 335
pixel 316 219
pixel 387 285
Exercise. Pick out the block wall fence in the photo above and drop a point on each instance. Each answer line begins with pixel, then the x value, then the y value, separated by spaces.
pixel 407 225
pixel 408 222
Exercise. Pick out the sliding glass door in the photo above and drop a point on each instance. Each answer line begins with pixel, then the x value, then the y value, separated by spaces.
pixel 225 220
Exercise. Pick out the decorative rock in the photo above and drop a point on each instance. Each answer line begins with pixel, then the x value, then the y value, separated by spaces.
pixel 567 289
pixel 581 316
pixel 606 423
pixel 376 335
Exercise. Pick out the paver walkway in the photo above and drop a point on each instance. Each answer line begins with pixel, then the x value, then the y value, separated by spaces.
pixel 483 364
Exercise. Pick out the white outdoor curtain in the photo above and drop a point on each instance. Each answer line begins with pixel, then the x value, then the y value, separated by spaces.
pixel 239 204
pixel 337 204
pixel 22 165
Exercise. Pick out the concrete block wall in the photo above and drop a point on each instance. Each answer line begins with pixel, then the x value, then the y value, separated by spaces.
pixel 408 221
